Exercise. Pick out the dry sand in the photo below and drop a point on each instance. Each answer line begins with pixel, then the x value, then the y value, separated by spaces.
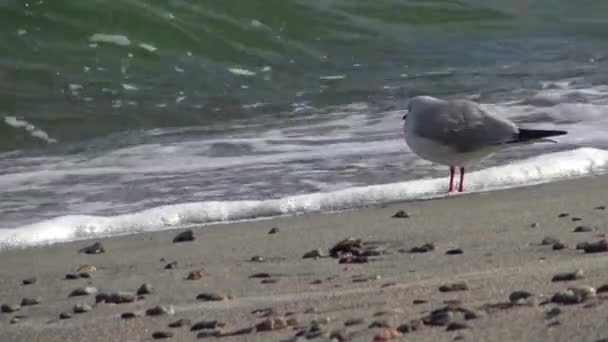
pixel 501 254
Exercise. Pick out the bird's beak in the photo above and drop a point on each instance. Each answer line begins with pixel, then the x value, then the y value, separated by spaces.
pixel 404 116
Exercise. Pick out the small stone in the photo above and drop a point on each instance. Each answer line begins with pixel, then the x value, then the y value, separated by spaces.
pixel 265 312
pixel 9 308
pixel 454 287
pixel 317 253
pixel 185 236
pixel 184 322
pixel 454 251
pixel 260 275
pixel 15 320
pixel 518 297
pixel 583 229
pixel 120 297
pixel 84 275
pixel 30 301
pixel 416 324
pixel 568 276
pixel 563 215
pixel 457 326
pixel 145 289
pixel 404 328
pixel 29 281
pixel 401 214
pixel 316 282
pixel 389 284
pixel 83 291
pixel 270 281
pixel 81 308
pixel 206 325
pixel 162 334
pixel 602 288
pixel 242 331
pixel 72 276
pixel 96 248
pixel 160 310
pixel 354 321
pixel 339 335
pixel 292 321
pixel 257 258
pixel 534 225
pixel 65 315
pixel 427 247
pixel 583 290
pixel 420 301
pixel 349 246
pixel 275 323
pixel 101 297
pixel 559 246
pixel 576 219
pixel 548 240
pixel 353 260
pixel 567 297
pixel 600 207
pixel 210 297
pixel 387 334
pixel 209 333
pixel 379 324
pixel 273 230
pixel 440 317
pixel 553 313
pixel 171 265
pixel 86 269
pixel 128 315
pixel 194 275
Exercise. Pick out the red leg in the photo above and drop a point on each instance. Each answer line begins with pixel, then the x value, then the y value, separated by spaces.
pixel 461 187
pixel 452 171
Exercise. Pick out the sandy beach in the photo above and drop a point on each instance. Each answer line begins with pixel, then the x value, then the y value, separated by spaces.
pixel 465 254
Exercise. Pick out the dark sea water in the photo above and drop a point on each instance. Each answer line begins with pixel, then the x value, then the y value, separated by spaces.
pixel 111 107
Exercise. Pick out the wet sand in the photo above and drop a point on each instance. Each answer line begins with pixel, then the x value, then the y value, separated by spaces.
pixel 385 285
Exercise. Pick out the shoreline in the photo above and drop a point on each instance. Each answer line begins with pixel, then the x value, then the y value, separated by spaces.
pixel 501 253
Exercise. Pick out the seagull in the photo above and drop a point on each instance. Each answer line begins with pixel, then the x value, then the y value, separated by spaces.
pixel 459 133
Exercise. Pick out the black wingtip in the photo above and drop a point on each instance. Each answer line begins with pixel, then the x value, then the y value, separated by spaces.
pixel 533 134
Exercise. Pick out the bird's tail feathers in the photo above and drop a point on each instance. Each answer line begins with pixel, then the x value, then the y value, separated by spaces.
pixel 536 135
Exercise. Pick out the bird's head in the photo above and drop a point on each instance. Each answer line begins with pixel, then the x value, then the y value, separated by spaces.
pixel 418 103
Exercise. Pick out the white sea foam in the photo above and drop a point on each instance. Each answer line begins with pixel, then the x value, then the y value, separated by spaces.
pixel 116 39
pixel 540 169
pixel 242 72
pixel 31 129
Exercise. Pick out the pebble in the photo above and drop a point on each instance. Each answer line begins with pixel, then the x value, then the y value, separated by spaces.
pixel 29 281
pixel 387 334
pixel 184 322
pixel 379 324
pixel 8 308
pixel 419 301
pixel 270 281
pixel 568 276
pixel 427 247
pixel 439 317
pixel 86 269
pixel 83 291
pixel 145 289
pixel 84 275
pixel 548 240
pixel 353 260
pixel 15 320
pixel 563 215
pixel 257 258
pixel 600 207
pixel 454 287
pixel 242 331
pixel 273 230
pixel 162 334
pixel 171 265
pixel 457 326
pixel 160 310
pixel 96 248
pixel 72 276
pixel 401 214
pixel 209 297
pixel 185 236
pixel 534 225
pixel 602 288
pixel 584 290
pixel 275 323
pixel 81 308
pixel 120 297
pixel 567 297
pixel 517 297
pixel 404 328
pixel 350 246
pixel 128 315
pixel 552 313
pixel 209 333
pixel 353 321
pixel 65 315
pixel 559 246
pixel 265 312
pixel 583 229
pixel 260 275
pixel 454 251
pixel 30 301
pixel 576 219
pixel 317 253
pixel 206 325
pixel 194 275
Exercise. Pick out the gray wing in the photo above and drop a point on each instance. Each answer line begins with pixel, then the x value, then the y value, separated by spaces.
pixel 463 125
